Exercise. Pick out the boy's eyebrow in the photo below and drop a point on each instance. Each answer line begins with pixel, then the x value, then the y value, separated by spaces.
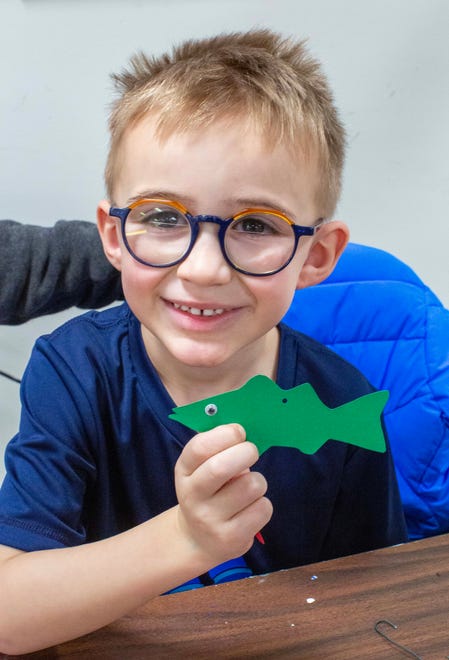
pixel 264 202
pixel 240 203
pixel 157 194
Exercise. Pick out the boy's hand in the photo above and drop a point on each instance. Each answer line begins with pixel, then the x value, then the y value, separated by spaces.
pixel 221 503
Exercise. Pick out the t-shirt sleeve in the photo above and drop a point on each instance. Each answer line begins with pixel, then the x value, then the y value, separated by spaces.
pixel 49 463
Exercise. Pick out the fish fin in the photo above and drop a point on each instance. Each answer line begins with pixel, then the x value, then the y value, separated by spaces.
pixel 359 422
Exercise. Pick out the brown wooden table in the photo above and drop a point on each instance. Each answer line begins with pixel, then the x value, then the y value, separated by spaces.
pixel 321 611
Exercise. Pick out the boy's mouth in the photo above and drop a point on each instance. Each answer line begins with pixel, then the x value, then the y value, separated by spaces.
pixel 196 311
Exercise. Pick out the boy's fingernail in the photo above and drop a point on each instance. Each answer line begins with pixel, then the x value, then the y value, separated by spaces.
pixel 240 430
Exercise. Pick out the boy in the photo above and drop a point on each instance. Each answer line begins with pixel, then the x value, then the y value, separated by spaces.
pixel 108 502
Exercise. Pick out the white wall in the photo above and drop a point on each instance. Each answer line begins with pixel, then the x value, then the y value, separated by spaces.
pixel 388 62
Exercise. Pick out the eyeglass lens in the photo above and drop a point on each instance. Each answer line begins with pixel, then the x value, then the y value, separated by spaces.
pixel 258 243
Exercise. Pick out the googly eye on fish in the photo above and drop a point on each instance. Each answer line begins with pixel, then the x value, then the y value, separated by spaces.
pixel 211 409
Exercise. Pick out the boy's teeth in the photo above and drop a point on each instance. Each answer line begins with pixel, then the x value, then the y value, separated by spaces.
pixel 198 312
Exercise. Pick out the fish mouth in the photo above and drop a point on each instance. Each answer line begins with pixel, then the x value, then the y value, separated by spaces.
pixel 199 311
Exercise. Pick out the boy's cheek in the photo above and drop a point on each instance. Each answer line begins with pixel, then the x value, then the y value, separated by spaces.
pixel 137 279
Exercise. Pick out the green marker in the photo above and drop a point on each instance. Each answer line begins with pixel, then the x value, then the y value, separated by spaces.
pixel 297 418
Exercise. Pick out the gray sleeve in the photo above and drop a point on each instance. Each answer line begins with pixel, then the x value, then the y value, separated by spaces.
pixel 47 269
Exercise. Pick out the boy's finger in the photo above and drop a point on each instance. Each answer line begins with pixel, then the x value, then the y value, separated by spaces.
pixel 222 468
pixel 239 493
pixel 247 523
pixel 204 445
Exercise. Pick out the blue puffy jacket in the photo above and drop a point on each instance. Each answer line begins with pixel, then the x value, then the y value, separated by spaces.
pixel 375 312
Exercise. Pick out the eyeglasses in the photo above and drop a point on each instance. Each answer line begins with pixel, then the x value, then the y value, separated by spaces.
pixel 162 233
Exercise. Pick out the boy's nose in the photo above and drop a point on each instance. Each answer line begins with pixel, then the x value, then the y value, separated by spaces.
pixel 206 264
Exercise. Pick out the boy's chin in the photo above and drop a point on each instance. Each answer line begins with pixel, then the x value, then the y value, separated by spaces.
pixel 199 356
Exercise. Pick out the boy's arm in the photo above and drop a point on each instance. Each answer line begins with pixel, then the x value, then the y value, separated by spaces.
pixel 50 596
pixel 47 269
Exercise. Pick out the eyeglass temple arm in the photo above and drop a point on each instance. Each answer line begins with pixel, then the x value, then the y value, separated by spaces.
pixel 119 213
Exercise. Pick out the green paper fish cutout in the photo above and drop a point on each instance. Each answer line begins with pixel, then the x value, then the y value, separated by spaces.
pixel 297 417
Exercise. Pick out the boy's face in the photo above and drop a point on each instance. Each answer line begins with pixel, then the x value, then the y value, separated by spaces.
pixel 219 170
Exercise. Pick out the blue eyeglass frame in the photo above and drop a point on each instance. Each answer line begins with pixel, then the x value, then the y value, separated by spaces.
pixel 194 222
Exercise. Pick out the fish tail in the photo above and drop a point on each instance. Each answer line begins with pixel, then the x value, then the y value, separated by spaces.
pixel 359 422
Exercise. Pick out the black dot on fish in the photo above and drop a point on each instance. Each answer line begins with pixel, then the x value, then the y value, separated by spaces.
pixel 284 400
pixel 211 409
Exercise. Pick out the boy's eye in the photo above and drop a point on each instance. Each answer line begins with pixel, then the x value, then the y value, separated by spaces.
pixel 254 225
pixel 160 218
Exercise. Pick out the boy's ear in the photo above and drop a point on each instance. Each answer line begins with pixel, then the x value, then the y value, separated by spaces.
pixel 108 228
pixel 328 243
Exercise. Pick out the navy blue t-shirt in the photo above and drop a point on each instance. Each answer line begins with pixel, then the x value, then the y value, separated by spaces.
pixel 96 450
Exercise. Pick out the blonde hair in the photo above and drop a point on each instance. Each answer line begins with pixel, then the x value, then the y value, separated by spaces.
pixel 270 80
